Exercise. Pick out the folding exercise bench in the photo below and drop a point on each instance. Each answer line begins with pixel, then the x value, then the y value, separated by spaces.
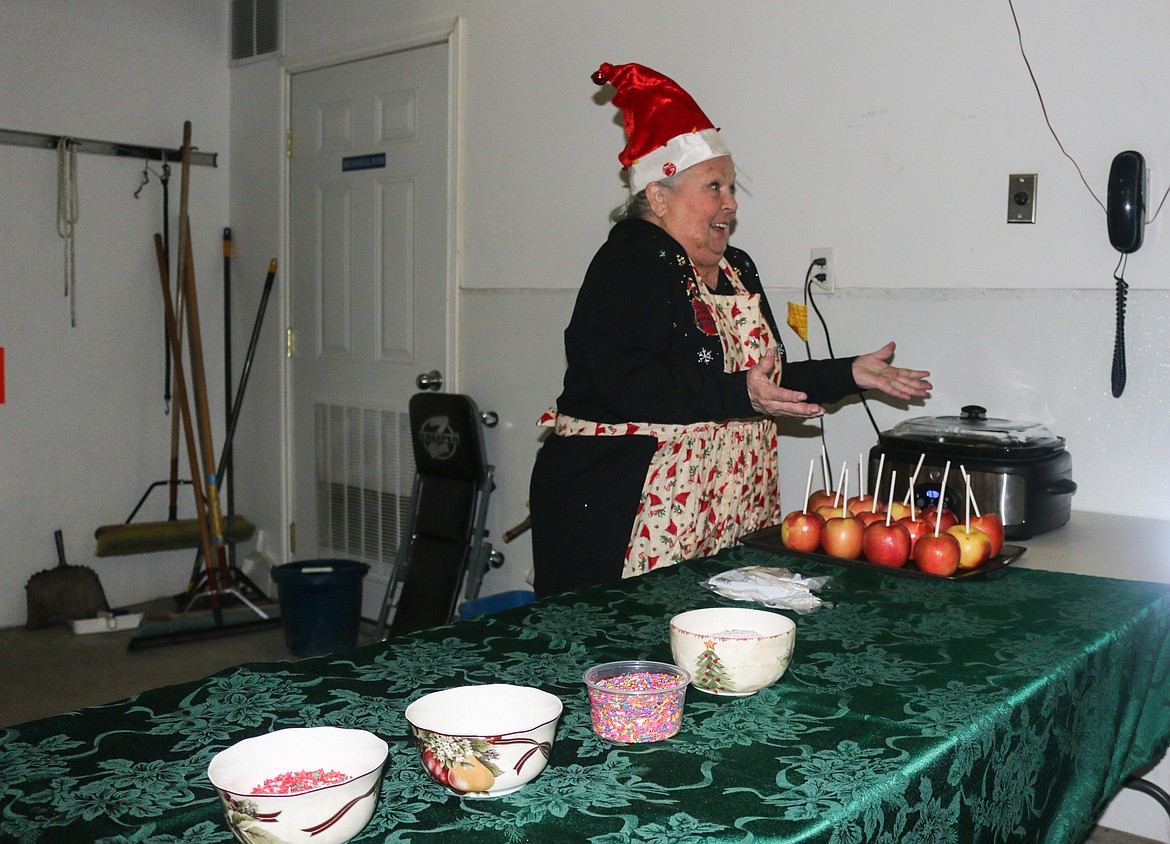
pixel 444 548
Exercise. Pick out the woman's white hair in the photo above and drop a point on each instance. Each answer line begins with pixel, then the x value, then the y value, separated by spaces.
pixel 637 207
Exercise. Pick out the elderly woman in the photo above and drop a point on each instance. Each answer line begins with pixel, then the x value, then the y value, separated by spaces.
pixel 663 445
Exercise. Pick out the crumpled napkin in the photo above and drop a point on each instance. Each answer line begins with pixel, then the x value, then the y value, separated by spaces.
pixel 772 587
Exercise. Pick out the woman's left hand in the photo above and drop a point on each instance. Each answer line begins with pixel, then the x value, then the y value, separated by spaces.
pixel 873 372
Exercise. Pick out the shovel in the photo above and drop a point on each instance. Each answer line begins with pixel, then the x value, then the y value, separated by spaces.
pixel 63 594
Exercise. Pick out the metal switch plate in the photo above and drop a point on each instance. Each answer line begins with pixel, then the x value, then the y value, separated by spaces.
pixel 1021 198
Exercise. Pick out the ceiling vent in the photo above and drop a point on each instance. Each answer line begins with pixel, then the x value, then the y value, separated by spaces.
pixel 255 29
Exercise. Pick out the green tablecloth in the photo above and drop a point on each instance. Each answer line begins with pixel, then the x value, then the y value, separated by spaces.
pixel 1008 707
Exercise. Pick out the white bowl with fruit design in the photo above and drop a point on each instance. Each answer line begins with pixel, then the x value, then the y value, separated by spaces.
pixel 304 784
pixel 732 651
pixel 484 741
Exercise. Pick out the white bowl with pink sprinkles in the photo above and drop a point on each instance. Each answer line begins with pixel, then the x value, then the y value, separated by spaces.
pixel 303 784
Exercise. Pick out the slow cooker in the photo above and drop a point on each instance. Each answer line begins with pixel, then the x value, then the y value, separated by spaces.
pixel 1018 470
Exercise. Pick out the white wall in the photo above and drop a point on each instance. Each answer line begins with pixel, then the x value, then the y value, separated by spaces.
pixel 902 171
pixel 83 430
pixel 886 131
pixel 888 136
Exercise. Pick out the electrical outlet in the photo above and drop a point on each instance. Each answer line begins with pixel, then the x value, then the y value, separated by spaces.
pixel 829 269
pixel 1021 198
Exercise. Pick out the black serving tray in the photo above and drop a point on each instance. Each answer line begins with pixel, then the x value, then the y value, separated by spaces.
pixel 768 539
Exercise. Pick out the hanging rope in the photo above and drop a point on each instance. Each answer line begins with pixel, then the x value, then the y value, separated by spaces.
pixel 67 215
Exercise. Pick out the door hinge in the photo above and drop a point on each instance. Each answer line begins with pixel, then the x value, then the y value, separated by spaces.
pixel 292 537
pixel 288 144
pixel 290 342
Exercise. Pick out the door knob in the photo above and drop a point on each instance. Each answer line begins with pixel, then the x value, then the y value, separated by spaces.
pixel 432 380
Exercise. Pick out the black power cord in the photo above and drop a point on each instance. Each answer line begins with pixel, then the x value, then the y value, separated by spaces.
pixel 809 278
pixel 809 299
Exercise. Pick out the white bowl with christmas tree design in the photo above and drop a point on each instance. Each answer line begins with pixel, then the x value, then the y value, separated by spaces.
pixel 732 651
pixel 484 741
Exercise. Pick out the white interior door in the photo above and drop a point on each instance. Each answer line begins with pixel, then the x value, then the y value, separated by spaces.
pixel 369 290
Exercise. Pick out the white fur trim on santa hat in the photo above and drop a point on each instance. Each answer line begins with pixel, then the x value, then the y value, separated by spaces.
pixel 679 153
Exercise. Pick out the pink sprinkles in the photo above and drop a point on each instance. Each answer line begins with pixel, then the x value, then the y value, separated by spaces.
pixel 293 782
pixel 634 713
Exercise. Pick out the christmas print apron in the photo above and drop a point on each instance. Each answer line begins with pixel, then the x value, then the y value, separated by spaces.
pixel 710 482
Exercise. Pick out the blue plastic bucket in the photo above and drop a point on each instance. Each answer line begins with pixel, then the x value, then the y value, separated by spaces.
pixel 320 604
pixel 495 603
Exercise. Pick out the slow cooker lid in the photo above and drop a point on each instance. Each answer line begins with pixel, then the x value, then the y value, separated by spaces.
pixel 973 430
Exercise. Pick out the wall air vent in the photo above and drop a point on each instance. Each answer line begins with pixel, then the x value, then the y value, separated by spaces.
pixel 364 476
pixel 255 29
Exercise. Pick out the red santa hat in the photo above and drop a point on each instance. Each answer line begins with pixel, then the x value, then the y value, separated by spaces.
pixel 666 131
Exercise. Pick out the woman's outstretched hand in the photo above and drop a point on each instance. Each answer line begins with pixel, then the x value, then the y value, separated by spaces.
pixel 873 372
pixel 773 400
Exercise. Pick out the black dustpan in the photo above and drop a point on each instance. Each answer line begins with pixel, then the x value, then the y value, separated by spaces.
pixel 63 594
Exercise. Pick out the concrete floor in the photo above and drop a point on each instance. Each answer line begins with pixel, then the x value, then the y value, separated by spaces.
pixel 50 671
pixel 53 670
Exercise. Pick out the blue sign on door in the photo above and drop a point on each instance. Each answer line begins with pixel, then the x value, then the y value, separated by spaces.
pixel 363 162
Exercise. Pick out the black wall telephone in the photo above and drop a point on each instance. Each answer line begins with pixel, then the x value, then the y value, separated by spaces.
pixel 1126 214
pixel 1126 207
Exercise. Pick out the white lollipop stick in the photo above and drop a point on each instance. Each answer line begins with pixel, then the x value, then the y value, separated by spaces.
pixel 941 492
pixel 918 468
pixel 878 483
pixel 808 484
pixel 967 478
pixel 877 487
pixel 914 478
pixel 860 475
pixel 840 483
pixel 967 516
pixel 825 469
pixel 893 480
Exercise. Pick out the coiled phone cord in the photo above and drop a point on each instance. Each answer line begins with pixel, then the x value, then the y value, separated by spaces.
pixel 1117 377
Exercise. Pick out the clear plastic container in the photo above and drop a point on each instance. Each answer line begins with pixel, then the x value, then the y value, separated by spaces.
pixel 636 701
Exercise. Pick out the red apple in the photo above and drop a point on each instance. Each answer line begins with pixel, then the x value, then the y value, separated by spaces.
pixel 842 537
pixel 867 517
pixel 821 498
pixel 992 525
pixel 974 546
pixel 801 531
pixel 830 512
pixel 937 554
pixel 945 517
pixel 916 528
pixel 859 504
pixel 886 545
pixel 898 510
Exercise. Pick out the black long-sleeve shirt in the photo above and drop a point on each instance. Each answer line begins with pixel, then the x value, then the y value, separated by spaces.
pixel 635 355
